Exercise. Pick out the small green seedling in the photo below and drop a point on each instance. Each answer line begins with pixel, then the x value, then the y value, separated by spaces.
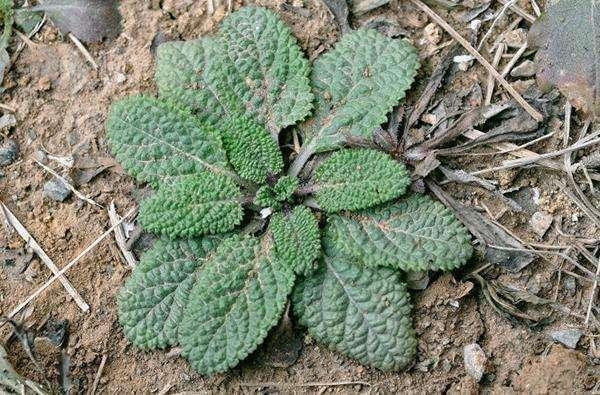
pixel 243 230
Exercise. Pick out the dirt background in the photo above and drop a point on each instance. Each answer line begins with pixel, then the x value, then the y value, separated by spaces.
pixel 61 105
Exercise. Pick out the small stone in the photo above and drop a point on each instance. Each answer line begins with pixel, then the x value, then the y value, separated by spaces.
pixel 9 152
pixel 474 359
pixel 56 190
pixel 570 285
pixel 432 33
pixel 363 6
pixel 44 84
pixel 568 337
pixel 525 69
pixel 120 78
pixel 540 222
pixel 41 156
pixel 7 121
pixel 515 38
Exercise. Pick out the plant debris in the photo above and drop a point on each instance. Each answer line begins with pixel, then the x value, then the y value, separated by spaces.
pixel 569 54
pixel 89 20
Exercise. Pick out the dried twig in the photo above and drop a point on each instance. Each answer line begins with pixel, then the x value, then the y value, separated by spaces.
pixel 519 11
pixel 515 58
pixel 48 283
pixel 66 183
pixel 490 80
pixel 502 81
pixel 529 160
pixel 120 236
pixel 94 387
pixel 311 384
pixel 83 50
pixel 22 231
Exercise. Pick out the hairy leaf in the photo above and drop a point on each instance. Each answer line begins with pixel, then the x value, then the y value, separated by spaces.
pixel 254 67
pixel 239 297
pixel 88 20
pixel 8 17
pixel 195 74
pixel 152 301
pixel 569 53
pixel 275 85
pixel 158 142
pixel 416 233
pixel 251 150
pixel 353 179
pixel 356 85
pixel 202 204
pixel 297 239
pixel 362 312
pixel 274 196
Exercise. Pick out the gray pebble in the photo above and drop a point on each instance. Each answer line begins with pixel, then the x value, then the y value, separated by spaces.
pixel 9 152
pixel 568 337
pixel 540 222
pixel 56 190
pixel 524 70
pixel 570 285
pixel 7 121
pixel 475 360
pixel 41 156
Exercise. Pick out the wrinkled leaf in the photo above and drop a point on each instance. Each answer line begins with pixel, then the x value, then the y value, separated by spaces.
pixel 88 20
pixel 7 16
pixel 568 56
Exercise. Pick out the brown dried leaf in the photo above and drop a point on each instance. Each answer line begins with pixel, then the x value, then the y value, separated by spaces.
pixel 89 20
pixel 569 55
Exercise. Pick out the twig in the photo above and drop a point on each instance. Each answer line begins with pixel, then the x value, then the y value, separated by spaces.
pixel 92 390
pixel 514 60
pixel 22 231
pixel 519 11
pixel 48 283
pixel 83 50
pixel 490 80
pixel 536 8
pixel 120 236
pixel 165 389
pixel 66 183
pixel 496 19
pixel 8 108
pixel 502 81
pixel 526 161
pixel 310 384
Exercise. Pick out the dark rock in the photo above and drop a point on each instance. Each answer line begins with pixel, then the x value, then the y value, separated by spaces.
pixel 9 152
pixel 56 190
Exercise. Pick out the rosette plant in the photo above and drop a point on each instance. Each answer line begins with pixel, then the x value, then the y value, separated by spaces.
pixel 244 228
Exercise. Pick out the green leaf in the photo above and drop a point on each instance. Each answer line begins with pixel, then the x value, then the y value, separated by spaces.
pixel 359 311
pixel 356 85
pixel 158 142
pixel 416 233
pixel 239 297
pixel 274 196
pixel 254 67
pixel 152 301
pixel 88 20
pixel 354 179
pixel 196 74
pixel 251 150
pixel 275 83
pixel 202 204
pixel 297 239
